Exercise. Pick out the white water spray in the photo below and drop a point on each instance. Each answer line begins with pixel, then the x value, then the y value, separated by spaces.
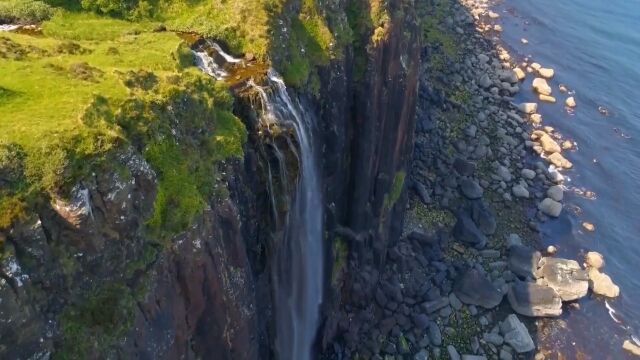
pixel 298 262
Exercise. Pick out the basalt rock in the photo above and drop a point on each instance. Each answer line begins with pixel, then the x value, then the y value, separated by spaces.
pixel 466 231
pixel 531 299
pixel 473 288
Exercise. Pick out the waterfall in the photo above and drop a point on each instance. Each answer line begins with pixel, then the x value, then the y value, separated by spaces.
pixel 297 265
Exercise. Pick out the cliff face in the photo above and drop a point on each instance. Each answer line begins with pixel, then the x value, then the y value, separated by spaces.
pixel 80 276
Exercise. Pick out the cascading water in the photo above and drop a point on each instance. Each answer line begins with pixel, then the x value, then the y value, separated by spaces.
pixel 298 266
pixel 298 263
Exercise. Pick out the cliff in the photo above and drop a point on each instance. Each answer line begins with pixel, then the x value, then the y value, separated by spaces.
pixel 101 270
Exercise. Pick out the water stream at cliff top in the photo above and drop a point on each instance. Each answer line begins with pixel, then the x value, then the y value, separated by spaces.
pixel 298 260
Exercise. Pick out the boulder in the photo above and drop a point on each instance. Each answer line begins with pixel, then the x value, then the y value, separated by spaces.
pixel 559 161
pixel 435 336
pixel 550 207
pixel 523 260
pixel 471 189
pixel 422 192
pixel 466 231
pixel 535 118
pixel 421 321
pixel 594 260
pixel 549 145
pixel 564 276
pixel 546 73
pixel 520 75
pixel 547 98
pixel 435 305
pixel 508 76
pixel 483 58
pixel 483 217
pixel 423 238
pixel 422 355
pixel 504 173
pixel 473 288
pixel 531 299
pixel 541 86
pixel 520 191
pixel 528 174
pixel 556 193
pixel 601 284
pixel 631 347
pixel 570 102
pixel 516 334
pixel 453 353
pixel 493 338
pixel 528 108
pixel 485 81
pixel 464 167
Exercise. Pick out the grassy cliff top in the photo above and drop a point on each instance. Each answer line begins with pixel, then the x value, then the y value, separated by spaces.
pixel 91 84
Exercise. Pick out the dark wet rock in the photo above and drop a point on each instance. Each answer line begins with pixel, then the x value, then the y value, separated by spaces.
pixel 516 334
pixel 550 207
pixel 435 305
pixel 455 302
pixel 423 238
pixel 473 288
pixel 493 338
pixel 464 167
pixel 381 298
pixel 523 260
pixel 564 276
pixel 483 217
pixel 471 189
pixel 505 355
pixel 445 312
pixel 473 357
pixel 467 232
pixel 422 355
pixel 485 81
pixel 391 349
pixel 531 299
pixel 422 192
pixel 453 353
pixel 435 336
pixel 421 321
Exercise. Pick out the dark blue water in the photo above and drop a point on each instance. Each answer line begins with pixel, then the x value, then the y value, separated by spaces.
pixel 594 47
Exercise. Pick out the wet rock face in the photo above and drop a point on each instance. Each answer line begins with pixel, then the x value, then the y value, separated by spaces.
pixel 196 299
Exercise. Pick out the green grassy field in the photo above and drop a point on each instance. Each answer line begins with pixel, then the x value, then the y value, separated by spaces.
pixel 66 100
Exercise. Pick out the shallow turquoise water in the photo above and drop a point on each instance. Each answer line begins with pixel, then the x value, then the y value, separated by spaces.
pixel 594 47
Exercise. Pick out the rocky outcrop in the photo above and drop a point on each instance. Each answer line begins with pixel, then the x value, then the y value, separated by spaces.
pixel 85 274
pixel 368 113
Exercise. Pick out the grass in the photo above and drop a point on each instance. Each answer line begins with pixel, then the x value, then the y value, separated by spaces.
pixel 432 19
pixel 71 99
pixel 24 11
pixel 96 323
pixel 243 25
pixel 396 190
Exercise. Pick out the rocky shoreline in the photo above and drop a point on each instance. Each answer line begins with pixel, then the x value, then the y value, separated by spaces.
pixel 469 278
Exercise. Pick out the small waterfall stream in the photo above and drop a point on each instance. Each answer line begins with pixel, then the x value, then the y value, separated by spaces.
pixel 297 269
